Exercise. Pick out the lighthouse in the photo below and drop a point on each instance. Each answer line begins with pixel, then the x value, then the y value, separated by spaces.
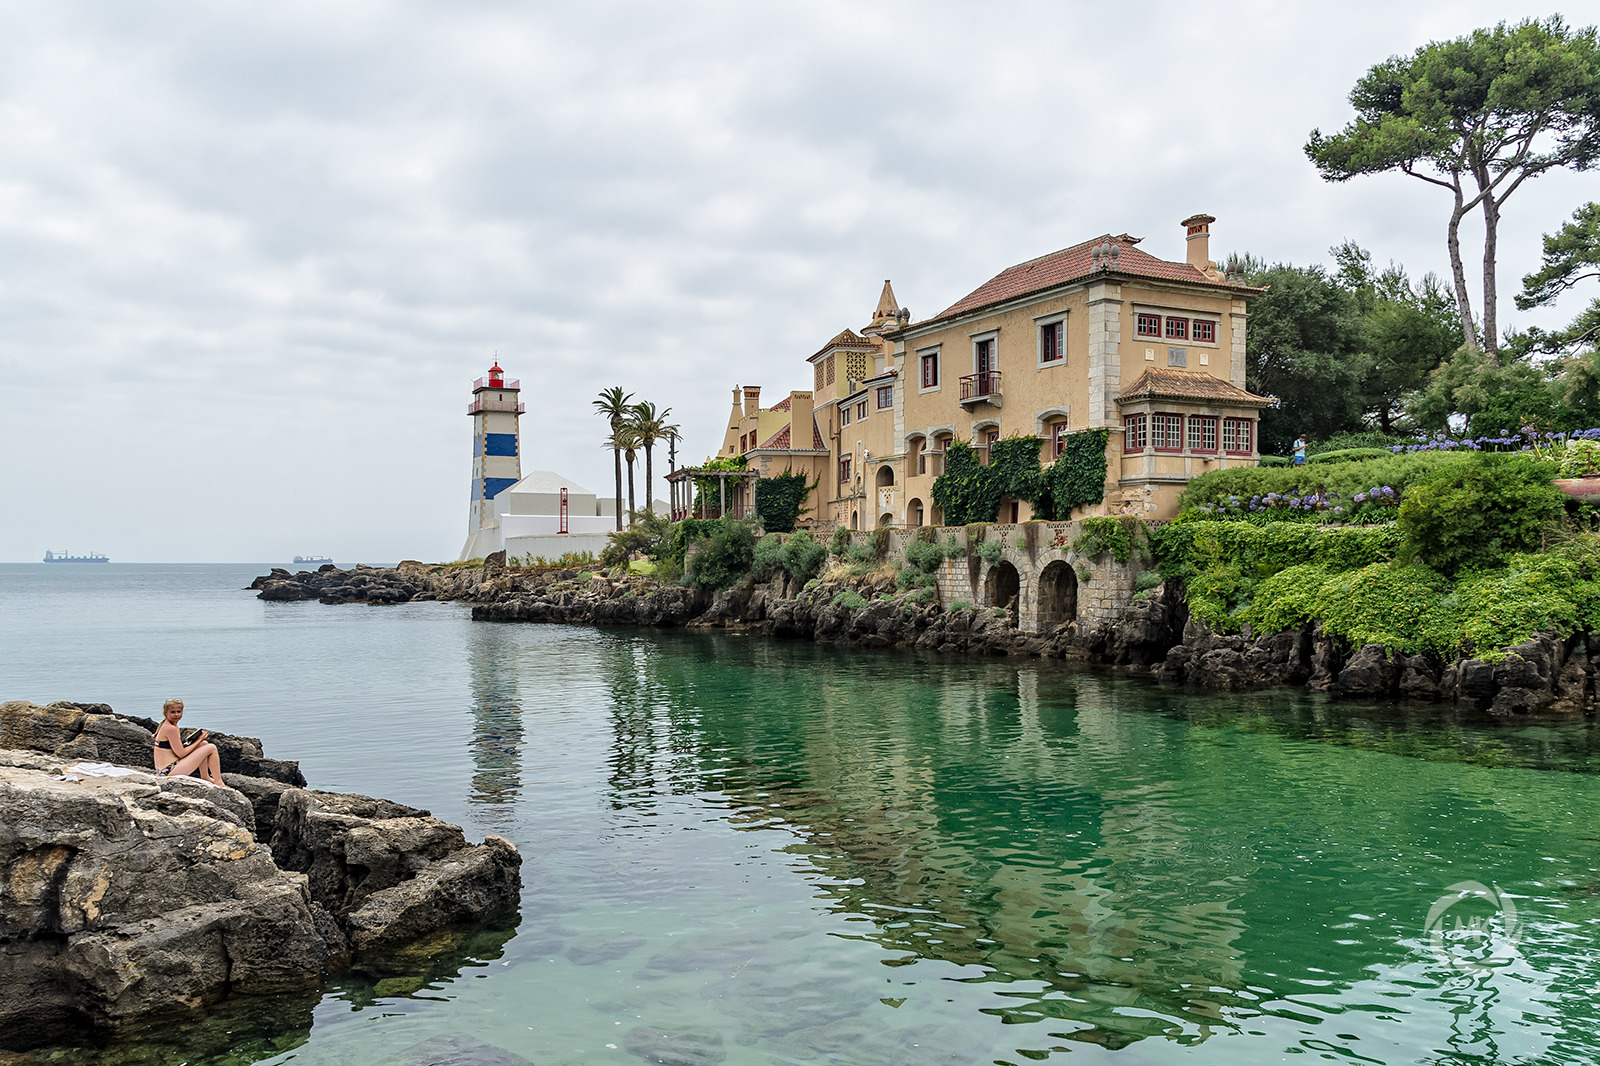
pixel 496 458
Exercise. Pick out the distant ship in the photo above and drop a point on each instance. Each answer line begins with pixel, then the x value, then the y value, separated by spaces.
pixel 67 557
pixel 312 560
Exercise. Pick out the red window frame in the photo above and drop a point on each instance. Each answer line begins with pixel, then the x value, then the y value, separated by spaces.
pixel 1058 439
pixel 1133 433
pixel 1166 432
pixel 844 473
pixel 885 396
pixel 1051 350
pixel 1147 325
pixel 1202 433
pixel 1204 330
pixel 930 370
pixel 1177 328
pixel 1237 435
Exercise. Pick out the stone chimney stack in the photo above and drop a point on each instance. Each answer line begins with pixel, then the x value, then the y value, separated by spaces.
pixel 752 400
pixel 1199 227
pixel 801 407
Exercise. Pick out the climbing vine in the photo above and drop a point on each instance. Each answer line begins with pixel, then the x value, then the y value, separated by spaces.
pixel 778 500
pixel 1120 536
pixel 1077 478
pixel 968 492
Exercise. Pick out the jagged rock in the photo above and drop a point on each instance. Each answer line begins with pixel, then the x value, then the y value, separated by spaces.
pixel 1474 680
pixel 127 896
pixel 470 884
pixel 1368 673
pixel 1572 684
pixel 1419 679
pixel 1326 659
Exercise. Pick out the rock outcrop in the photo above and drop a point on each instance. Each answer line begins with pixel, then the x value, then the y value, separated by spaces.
pixel 126 896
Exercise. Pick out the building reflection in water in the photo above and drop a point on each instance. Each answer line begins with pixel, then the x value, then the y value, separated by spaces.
pixel 497 734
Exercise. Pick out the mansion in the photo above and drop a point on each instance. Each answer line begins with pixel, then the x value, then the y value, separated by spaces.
pixel 1101 335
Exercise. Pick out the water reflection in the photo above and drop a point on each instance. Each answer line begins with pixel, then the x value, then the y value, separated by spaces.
pixel 1103 866
pixel 496 714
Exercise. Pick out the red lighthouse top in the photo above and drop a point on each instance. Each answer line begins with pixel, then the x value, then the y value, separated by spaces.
pixel 496 376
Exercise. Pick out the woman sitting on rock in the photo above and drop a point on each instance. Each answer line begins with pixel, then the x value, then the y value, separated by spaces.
pixel 174 758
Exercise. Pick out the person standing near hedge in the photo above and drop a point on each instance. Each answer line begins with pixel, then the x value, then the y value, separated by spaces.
pixel 1300 450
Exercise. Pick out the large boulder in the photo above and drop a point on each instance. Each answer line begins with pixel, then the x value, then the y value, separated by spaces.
pixel 123 897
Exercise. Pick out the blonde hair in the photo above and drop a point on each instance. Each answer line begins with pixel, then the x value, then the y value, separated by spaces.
pixel 174 702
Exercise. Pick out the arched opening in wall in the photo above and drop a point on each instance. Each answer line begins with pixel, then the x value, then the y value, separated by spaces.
pixel 885 477
pixel 855 520
pixel 916 459
pixel 1058 596
pixel 914 513
pixel 1002 588
pixel 885 519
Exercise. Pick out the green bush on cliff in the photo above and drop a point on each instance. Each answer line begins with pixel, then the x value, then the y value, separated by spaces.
pixel 1471 516
pixel 798 555
pixel 923 561
pixel 1343 479
pixel 724 557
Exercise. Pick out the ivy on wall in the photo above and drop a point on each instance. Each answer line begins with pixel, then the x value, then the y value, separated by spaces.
pixel 778 500
pixel 967 492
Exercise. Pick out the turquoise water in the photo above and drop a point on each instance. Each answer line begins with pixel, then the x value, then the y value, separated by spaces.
pixel 816 856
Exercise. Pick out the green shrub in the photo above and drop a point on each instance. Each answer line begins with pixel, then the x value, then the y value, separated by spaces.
pixel 1275 460
pixel 921 596
pixel 1470 516
pixel 1530 594
pixel 1344 479
pixel 880 542
pixel 1366 439
pixel 861 556
pixel 923 560
pixel 1350 455
pixel 725 557
pixel 840 544
pixel 1402 606
pixel 959 605
pixel 802 556
pixel 953 549
pixel 768 557
pixel 991 552
pixel 1120 535
pixel 1580 458
pixel 850 598
pixel 1147 579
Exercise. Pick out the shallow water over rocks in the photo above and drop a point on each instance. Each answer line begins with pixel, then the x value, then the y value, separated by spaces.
pixel 778 853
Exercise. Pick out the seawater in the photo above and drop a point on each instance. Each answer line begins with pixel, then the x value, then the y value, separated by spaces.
pixel 807 855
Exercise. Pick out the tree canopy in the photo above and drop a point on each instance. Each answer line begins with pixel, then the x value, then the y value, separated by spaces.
pixel 1476 116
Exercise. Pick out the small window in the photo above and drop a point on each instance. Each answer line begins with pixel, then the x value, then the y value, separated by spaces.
pixel 1202 434
pixel 1058 439
pixel 1149 325
pixel 1177 357
pixel 930 370
pixel 1051 349
pixel 885 396
pixel 1205 331
pixel 1177 329
pixel 1236 434
pixel 844 414
pixel 844 473
pixel 1133 437
pixel 861 410
pixel 1166 432
pixel 828 362
pixel 983 353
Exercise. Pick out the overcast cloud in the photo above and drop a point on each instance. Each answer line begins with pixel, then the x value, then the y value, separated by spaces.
pixel 253 255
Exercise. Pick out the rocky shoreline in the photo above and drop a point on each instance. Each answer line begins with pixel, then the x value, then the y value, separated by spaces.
pixel 1547 674
pixel 127 897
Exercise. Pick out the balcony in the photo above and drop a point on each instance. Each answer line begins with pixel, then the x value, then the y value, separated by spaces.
pixel 983 387
pixel 491 383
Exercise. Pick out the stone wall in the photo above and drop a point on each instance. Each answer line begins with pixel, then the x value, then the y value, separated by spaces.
pixel 1053 583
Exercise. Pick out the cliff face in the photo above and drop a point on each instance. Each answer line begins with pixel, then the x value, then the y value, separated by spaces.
pixel 124 897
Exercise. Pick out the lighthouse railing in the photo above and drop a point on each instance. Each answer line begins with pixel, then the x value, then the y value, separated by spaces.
pixel 496 405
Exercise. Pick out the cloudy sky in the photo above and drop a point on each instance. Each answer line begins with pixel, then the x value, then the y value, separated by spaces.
pixel 253 255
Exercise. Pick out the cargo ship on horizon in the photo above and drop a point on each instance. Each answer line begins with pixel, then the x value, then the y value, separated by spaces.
pixel 68 557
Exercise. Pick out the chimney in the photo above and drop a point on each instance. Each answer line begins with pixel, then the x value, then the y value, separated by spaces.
pixel 752 400
pixel 1199 227
pixel 800 408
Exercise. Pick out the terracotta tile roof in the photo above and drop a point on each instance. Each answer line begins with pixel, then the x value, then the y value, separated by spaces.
pixel 1157 384
pixel 781 405
pixel 849 339
pixel 1070 264
pixel 779 441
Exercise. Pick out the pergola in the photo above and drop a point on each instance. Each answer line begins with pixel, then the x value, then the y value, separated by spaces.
pixel 682 483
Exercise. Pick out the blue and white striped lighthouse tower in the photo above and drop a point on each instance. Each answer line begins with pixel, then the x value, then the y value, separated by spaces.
pixel 496 458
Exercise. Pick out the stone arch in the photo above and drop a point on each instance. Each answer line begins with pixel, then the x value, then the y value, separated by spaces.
pixel 982 426
pixel 885 478
pixel 885 519
pixel 914 513
pixel 1003 588
pixel 855 520
pixel 1058 595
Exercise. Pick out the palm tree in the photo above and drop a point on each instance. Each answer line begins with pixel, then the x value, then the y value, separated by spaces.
pixel 629 442
pixel 651 426
pixel 613 405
